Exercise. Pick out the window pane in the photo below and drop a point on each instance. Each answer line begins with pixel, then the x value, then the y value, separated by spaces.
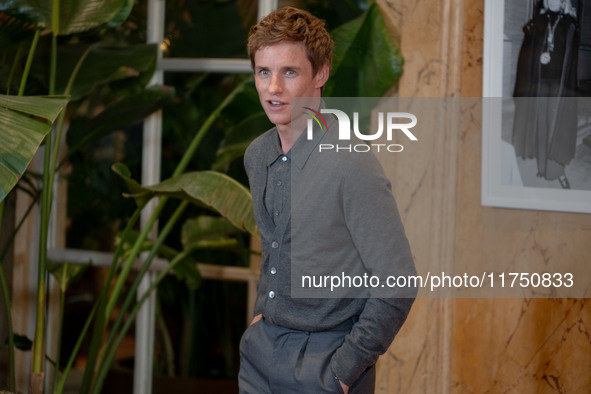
pixel 208 28
pixel 97 209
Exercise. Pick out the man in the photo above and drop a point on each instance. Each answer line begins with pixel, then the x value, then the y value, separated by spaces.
pixel 334 211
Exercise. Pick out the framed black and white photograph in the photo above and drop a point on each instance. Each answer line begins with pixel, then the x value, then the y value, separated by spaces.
pixel 536 122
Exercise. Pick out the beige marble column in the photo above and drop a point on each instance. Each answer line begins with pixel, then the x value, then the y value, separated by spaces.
pixel 474 345
pixel 425 189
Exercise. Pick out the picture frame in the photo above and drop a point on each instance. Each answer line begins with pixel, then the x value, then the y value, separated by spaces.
pixel 508 179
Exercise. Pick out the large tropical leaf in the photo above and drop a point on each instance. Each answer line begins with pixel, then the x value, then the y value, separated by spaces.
pixel 24 123
pixel 130 110
pixel 13 31
pixel 104 64
pixel 23 10
pixel 209 189
pixel 122 15
pixel 366 62
pixel 205 227
pixel 75 16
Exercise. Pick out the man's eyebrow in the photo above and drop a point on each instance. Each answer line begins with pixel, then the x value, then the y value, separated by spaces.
pixel 260 68
pixel 291 68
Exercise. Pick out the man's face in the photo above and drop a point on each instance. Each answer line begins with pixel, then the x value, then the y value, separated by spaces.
pixel 554 5
pixel 282 71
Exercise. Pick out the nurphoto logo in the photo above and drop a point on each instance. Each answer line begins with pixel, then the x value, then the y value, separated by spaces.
pixel 395 121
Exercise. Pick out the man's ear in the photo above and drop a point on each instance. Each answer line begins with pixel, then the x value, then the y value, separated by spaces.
pixel 322 75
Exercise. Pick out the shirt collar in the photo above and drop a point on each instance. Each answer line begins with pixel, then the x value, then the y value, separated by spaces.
pixel 274 152
pixel 303 147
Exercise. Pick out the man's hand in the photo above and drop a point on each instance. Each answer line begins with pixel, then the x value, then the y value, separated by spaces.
pixel 344 386
pixel 256 319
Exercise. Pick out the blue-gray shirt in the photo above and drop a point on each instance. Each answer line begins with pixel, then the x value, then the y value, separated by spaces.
pixel 339 209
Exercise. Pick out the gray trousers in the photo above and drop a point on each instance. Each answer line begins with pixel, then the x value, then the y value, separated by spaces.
pixel 277 360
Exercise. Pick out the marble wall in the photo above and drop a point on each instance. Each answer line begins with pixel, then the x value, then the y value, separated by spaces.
pixel 474 345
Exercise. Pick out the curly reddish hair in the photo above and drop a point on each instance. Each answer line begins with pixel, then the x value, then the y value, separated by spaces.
pixel 292 24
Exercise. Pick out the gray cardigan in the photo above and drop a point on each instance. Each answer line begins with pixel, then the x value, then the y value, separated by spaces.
pixel 343 223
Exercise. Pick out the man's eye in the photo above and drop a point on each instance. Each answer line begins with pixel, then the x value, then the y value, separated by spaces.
pixel 290 72
pixel 264 73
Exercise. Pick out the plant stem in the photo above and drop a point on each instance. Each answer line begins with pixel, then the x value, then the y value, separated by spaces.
pixel 59 338
pixel 62 381
pixel 166 341
pixel 55 25
pixel 17 57
pixel 53 64
pixel 102 372
pixel 39 342
pixel 100 325
pixel 21 89
pixel 60 122
pixel 132 257
pixel 9 324
pixel 131 293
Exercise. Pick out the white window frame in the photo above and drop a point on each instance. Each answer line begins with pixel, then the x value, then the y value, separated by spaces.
pixel 152 144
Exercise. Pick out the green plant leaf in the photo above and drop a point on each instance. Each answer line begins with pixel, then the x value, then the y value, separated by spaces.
pixel 21 342
pixel 43 107
pixel 122 15
pixel 130 110
pixel 24 10
pixel 13 31
pixel 75 16
pixel 135 189
pixel 65 273
pixel 21 134
pixel 81 15
pixel 210 189
pixel 366 62
pixel 206 227
pixel 104 64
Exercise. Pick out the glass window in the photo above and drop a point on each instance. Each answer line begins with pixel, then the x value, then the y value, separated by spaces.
pixel 208 29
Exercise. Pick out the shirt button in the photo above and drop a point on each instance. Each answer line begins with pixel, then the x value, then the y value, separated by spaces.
pixel 275 245
pixel 273 270
pixel 276 213
pixel 284 158
pixel 271 294
pixel 278 183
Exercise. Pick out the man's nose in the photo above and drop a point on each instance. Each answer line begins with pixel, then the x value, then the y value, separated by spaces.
pixel 275 86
